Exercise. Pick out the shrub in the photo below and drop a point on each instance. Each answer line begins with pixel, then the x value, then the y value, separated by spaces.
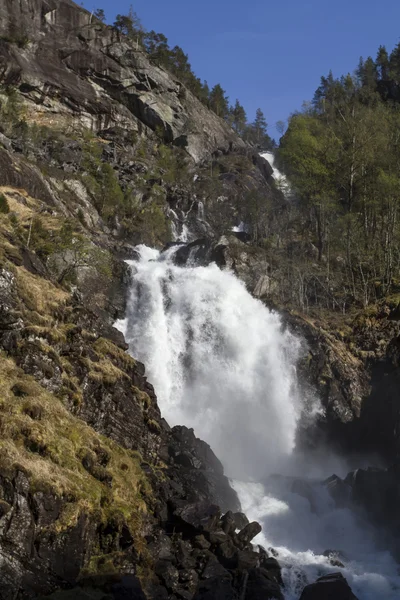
pixel 4 207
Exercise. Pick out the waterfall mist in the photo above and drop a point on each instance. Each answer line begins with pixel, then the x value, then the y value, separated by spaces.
pixel 224 364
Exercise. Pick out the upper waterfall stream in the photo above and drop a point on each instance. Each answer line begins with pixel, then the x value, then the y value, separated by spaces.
pixel 224 364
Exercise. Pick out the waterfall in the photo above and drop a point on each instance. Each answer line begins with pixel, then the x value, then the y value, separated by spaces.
pixel 280 179
pixel 219 360
pixel 224 364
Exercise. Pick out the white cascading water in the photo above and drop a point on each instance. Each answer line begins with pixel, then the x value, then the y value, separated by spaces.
pixel 280 179
pixel 224 364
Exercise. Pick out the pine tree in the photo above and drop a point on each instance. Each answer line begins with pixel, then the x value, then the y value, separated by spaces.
pixel 394 64
pixel 238 118
pixel 100 14
pixel 382 63
pixel 219 102
pixel 367 74
pixel 205 94
pixel 130 25
pixel 156 45
pixel 260 126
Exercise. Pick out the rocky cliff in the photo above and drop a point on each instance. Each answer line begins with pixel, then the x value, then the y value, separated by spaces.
pixel 98 495
pixel 100 150
pixel 74 71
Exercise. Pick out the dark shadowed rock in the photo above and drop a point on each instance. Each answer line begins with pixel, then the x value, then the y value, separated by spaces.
pixel 248 533
pixel 200 516
pixel 218 588
pixel 305 489
pixel 260 586
pixel 240 520
pixel 228 523
pixel 336 557
pixel 339 490
pixel 329 587
pixel 247 559
pixel 271 567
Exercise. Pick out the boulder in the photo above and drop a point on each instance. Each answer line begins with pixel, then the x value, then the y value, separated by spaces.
pixel 336 557
pixel 240 520
pixel 199 516
pixel 328 587
pixel 228 523
pixel 339 490
pixel 260 587
pixel 305 489
pixel 217 588
pixel 248 533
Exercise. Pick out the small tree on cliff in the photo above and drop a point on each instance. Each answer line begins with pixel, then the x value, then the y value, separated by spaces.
pixel 100 15
pixel 219 102
pixel 130 25
pixel 237 116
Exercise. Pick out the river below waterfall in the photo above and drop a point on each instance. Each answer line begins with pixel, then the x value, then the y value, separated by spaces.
pixel 224 364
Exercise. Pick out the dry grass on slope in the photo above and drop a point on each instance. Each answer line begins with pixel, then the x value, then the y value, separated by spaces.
pixel 62 455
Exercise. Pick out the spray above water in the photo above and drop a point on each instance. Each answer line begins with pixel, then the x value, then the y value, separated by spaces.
pixel 224 364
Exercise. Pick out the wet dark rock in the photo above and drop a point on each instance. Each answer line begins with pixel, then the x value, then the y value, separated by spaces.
pixel 194 253
pixel 161 547
pixel 200 516
pixel 229 523
pixel 377 491
pixel 227 554
pixel 217 588
pixel 259 586
pixel 217 537
pixel 248 533
pixel 339 490
pixel 247 559
pixel 336 557
pixel 240 520
pixel 168 574
pixel 204 475
pixel 329 587
pixel 214 569
pixel 201 542
pixel 271 568
pixel 305 489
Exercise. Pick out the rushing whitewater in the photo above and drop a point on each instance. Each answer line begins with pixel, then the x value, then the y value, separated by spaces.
pixel 224 364
pixel 280 179
pixel 219 360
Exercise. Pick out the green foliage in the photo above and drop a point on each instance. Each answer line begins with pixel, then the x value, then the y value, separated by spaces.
pixel 102 181
pixel 130 25
pixel 100 15
pixel 342 155
pixel 237 117
pixel 11 109
pixel 256 132
pixel 171 165
pixel 4 208
pixel 219 101
pixel 16 37
pixel 177 62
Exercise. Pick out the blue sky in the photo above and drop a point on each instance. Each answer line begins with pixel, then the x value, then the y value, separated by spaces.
pixel 268 54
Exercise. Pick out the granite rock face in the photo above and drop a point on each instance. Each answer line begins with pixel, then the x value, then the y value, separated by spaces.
pixel 68 64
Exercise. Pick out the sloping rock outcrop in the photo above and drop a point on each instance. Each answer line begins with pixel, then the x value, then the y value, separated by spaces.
pixel 68 64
